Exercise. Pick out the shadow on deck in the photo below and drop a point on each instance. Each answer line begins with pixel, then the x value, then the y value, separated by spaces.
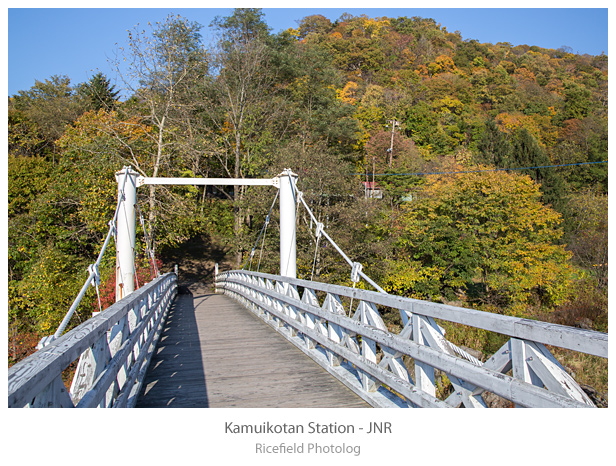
pixel 215 353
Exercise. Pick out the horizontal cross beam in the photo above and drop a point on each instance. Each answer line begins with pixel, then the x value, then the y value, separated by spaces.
pixel 143 180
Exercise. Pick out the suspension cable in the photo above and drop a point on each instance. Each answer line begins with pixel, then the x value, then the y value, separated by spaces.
pixel 318 231
pixel 263 230
pixel 94 278
pixel 333 243
pixel 148 250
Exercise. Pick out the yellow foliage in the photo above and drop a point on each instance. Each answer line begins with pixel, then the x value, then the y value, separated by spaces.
pixel 538 125
pixel 449 105
pixel 347 94
pixel 375 27
pixel 487 227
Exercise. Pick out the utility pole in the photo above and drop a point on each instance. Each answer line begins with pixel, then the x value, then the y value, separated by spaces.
pixel 393 124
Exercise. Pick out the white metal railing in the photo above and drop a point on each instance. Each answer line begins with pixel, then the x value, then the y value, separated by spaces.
pixel 114 348
pixel 349 347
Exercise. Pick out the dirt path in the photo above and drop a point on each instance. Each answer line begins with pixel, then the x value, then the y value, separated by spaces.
pixel 196 259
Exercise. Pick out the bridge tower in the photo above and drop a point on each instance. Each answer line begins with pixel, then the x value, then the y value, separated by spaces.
pixel 288 234
pixel 128 182
pixel 125 234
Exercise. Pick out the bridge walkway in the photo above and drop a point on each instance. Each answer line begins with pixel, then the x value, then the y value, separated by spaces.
pixel 215 353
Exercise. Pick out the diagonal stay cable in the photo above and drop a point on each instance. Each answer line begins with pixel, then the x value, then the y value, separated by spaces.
pixel 333 243
pixel 356 270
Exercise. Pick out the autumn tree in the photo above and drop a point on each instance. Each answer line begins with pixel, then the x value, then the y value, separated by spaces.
pixel 488 228
pixel 313 24
pixel 390 150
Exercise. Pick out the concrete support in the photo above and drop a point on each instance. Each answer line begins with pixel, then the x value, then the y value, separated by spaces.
pixel 288 236
pixel 125 239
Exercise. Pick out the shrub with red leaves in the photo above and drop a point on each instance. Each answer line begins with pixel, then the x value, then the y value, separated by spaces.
pixel 145 274
pixel 21 345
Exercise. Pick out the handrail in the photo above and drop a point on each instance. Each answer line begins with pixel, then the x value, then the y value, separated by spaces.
pixel 113 347
pixel 573 338
pixel 325 333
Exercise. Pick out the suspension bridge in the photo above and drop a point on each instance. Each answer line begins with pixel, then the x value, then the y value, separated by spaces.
pixel 262 340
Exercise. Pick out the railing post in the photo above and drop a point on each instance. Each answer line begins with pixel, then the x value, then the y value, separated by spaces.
pixel 125 240
pixel 288 194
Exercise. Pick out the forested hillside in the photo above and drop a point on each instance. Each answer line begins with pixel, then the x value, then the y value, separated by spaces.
pixel 462 139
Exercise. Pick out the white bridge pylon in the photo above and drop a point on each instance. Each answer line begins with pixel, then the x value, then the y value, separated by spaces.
pixel 125 242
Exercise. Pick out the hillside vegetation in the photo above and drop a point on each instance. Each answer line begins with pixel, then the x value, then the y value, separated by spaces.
pixel 460 137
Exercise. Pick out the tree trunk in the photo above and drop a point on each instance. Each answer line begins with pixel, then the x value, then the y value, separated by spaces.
pixel 237 200
pixel 152 191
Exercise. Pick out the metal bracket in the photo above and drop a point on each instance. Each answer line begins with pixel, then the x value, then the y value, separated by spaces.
pixel 45 341
pixel 355 271
pixel 114 232
pixel 93 270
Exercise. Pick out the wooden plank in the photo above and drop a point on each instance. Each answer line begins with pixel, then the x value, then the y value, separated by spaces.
pixel 215 353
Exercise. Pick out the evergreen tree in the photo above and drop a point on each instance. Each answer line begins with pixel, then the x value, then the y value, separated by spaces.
pixel 526 152
pixel 99 93
pixel 494 147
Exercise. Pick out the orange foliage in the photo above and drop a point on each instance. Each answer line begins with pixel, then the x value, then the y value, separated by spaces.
pixel 524 75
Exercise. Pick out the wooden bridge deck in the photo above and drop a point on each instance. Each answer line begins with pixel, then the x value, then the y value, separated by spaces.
pixel 215 353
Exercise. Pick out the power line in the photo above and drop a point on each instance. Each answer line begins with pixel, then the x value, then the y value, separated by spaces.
pixel 480 171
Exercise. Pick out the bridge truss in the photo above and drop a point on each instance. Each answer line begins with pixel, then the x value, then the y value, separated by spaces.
pixel 399 370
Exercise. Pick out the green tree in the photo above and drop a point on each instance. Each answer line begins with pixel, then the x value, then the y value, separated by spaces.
pixel 317 111
pixel 24 137
pixel 48 108
pixel 244 25
pixel 493 147
pixel 237 100
pixel 526 152
pixel 518 151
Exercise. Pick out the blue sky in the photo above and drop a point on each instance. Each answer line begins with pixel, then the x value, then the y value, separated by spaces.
pixel 78 42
